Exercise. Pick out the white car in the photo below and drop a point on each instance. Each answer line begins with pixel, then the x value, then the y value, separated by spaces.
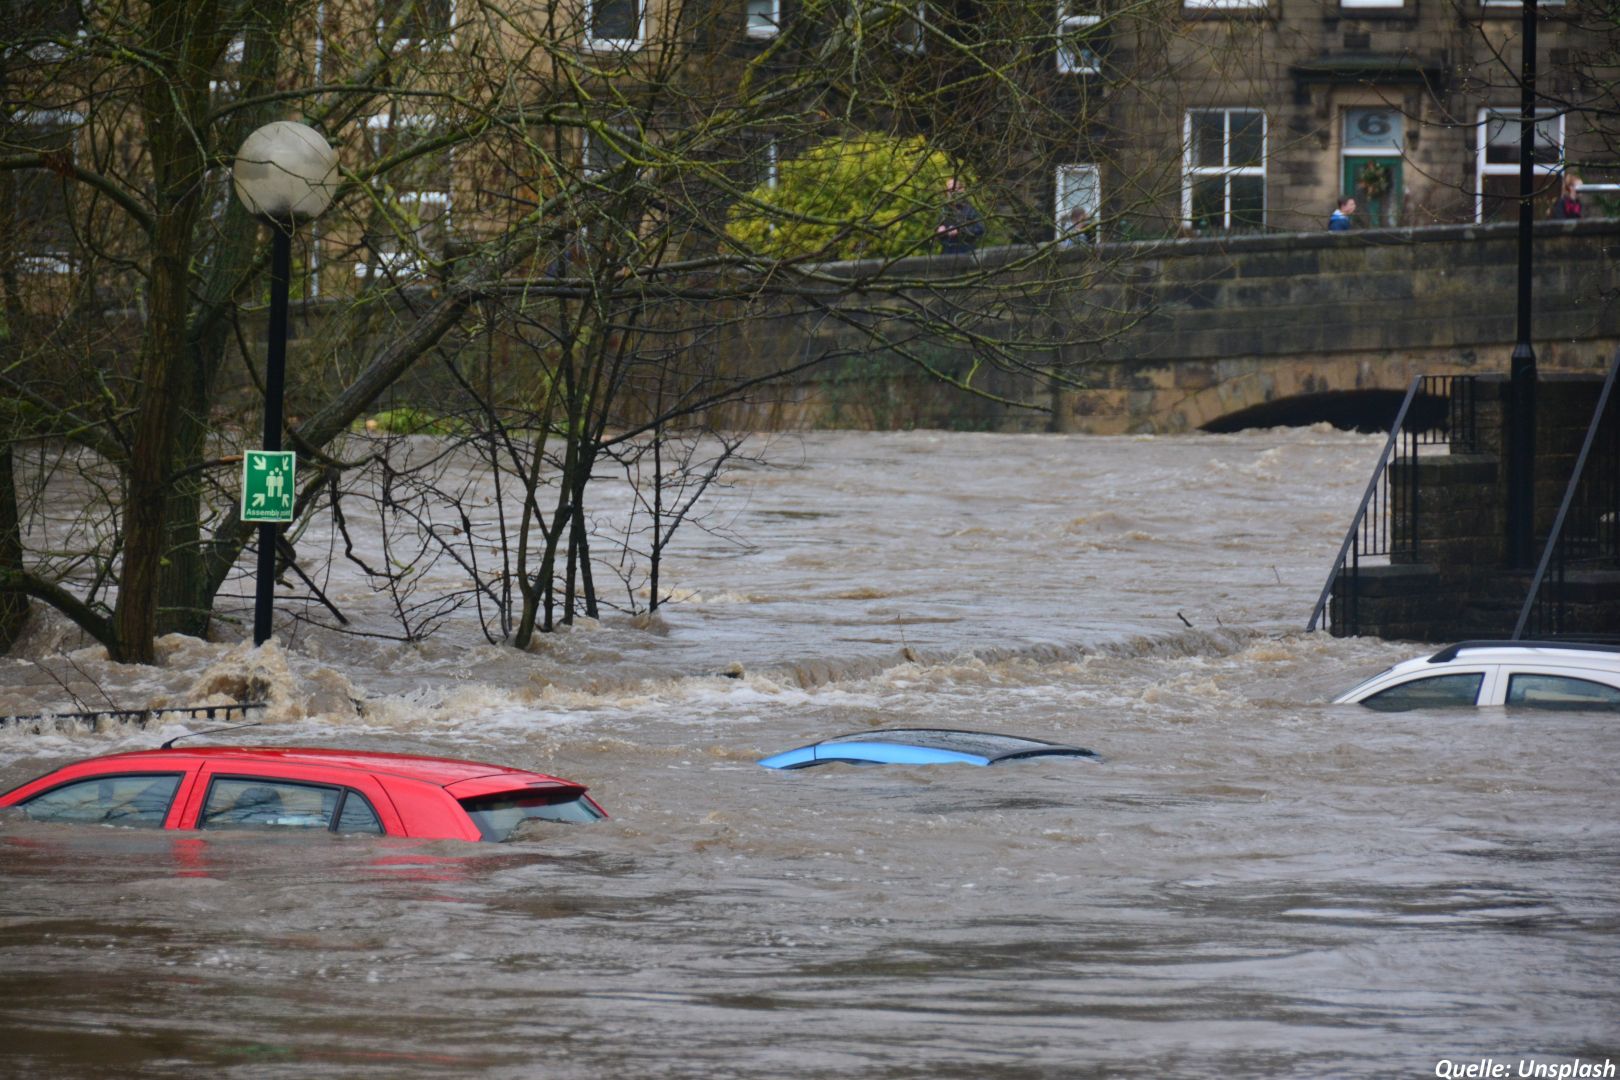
pixel 1532 674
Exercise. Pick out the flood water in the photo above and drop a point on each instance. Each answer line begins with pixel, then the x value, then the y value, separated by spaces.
pixel 1254 883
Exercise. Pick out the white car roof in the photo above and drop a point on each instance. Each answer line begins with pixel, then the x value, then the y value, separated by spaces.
pixel 1473 655
pixel 1548 653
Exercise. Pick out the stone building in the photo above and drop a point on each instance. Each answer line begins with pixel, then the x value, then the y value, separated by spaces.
pixel 1151 119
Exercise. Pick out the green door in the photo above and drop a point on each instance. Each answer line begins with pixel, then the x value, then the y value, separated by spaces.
pixel 1376 184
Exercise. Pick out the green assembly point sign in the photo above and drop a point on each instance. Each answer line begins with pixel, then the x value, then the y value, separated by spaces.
pixel 267 485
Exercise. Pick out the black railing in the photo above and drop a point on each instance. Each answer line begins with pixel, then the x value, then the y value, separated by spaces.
pixel 139 717
pixel 1585 535
pixel 1438 410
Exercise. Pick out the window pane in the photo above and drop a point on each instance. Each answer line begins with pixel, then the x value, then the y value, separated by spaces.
pixel 244 803
pixel 1074 50
pixel 909 34
pixel 1209 203
pixel 1435 692
pixel 762 17
pixel 1248 201
pixel 1374 129
pixel 1562 692
pixel 498 815
pixel 1248 139
pixel 616 20
pixel 30 19
pixel 1208 139
pixel 1502 139
pixel 427 18
pixel 1078 199
pixel 141 801
pixel 40 203
pixel 357 815
pixel 600 155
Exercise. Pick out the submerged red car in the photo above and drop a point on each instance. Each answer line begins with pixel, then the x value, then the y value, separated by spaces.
pixel 341 791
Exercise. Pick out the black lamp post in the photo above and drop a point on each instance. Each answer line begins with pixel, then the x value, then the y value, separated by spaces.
pixel 1521 507
pixel 284 174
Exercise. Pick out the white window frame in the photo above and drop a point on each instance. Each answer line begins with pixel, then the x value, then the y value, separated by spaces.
pixel 914 29
pixel 1499 4
pixel 1063 184
pixel 49 262
pixel 1385 5
pixel 771 24
pixel 1224 5
pixel 773 164
pixel 403 262
pixel 1069 22
pixel 615 44
pixel 1482 168
pixel 439 42
pixel 1191 172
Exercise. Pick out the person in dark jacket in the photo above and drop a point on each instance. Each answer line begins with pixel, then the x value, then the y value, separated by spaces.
pixel 961 226
pixel 1568 206
pixel 1340 221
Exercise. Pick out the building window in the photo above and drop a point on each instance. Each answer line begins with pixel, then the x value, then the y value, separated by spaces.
pixel 764 18
pixel 913 24
pixel 1497 192
pixel 1383 4
pixel 1074 53
pixel 763 164
pixel 409 227
pixel 1372 167
pixel 603 153
pixel 614 24
pixel 426 21
pixel 43 27
pixel 1078 198
pixel 1223 5
pixel 43 235
pixel 1225 186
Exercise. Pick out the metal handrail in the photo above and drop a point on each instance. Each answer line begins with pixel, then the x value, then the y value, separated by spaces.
pixel 1569 497
pixel 140 716
pixel 1366 500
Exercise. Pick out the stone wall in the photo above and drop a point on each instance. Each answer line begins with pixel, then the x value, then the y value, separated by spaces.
pixel 1229 325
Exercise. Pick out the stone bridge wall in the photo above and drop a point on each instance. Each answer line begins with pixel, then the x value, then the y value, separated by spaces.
pixel 1229 324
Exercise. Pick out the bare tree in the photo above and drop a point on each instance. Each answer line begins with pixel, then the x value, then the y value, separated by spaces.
pixel 544 192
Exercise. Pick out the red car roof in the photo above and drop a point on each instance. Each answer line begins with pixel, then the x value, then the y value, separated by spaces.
pixel 434 770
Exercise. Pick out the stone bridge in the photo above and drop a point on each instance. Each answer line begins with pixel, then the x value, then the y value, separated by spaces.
pixel 1259 330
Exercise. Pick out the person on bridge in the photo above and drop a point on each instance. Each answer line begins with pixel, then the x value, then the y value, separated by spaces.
pixel 1340 221
pixel 1568 205
pixel 961 226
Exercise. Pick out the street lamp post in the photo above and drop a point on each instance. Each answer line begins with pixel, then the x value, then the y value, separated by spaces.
pixel 284 174
pixel 1521 507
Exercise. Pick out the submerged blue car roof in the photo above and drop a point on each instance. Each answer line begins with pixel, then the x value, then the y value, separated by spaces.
pixel 920 746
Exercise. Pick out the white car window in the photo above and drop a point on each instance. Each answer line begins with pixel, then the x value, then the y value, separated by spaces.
pixel 1561 692
pixel 1430 692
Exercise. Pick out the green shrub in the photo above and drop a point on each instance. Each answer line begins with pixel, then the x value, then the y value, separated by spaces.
pixel 408 420
pixel 861 197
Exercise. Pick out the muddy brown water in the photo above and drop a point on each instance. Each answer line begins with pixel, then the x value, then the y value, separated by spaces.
pixel 1254 883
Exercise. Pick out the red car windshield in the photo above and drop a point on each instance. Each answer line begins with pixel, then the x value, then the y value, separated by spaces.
pixel 498 816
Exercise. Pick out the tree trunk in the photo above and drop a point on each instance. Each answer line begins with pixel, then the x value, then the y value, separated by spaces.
pixel 173 105
pixel 13 605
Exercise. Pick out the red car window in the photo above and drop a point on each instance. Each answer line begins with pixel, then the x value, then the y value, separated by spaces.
pixel 499 816
pixel 140 800
pixel 251 802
